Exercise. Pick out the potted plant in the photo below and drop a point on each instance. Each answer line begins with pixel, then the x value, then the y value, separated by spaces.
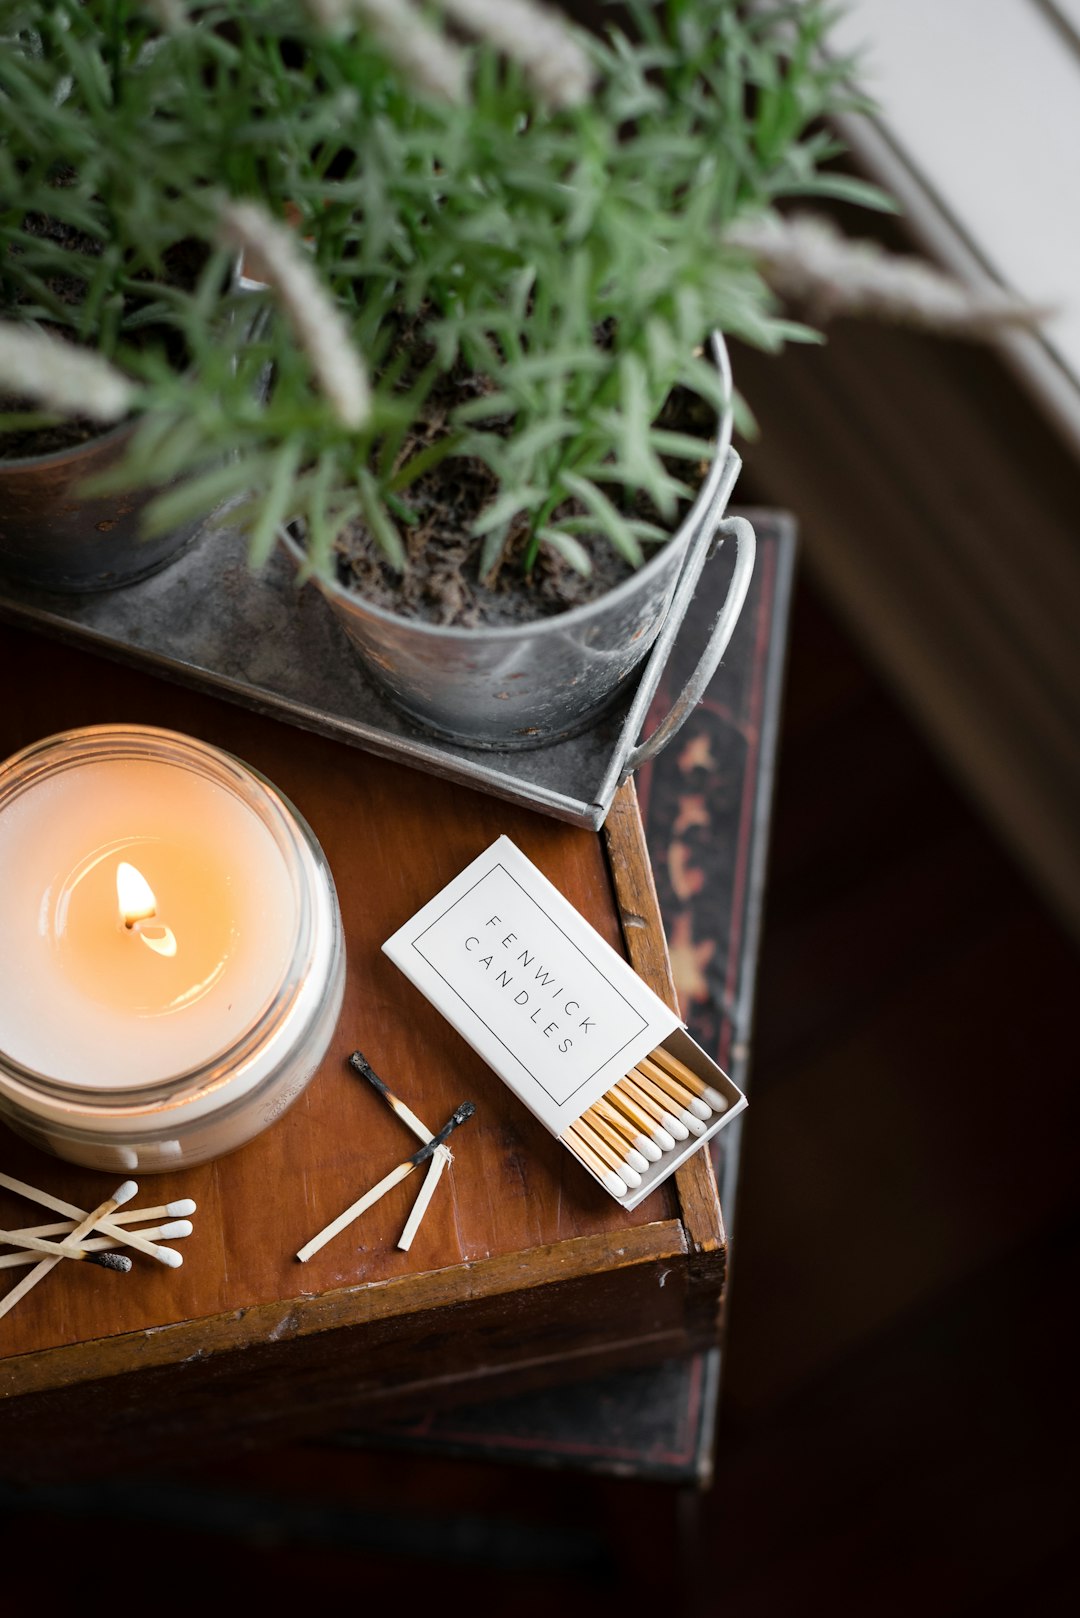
pixel 500 253
pixel 112 292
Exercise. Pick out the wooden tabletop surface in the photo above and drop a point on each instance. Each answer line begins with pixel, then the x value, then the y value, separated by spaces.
pixel 393 837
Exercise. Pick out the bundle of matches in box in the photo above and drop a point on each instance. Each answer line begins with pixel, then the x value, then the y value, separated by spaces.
pixel 45 1246
pixel 587 1045
pixel 657 1106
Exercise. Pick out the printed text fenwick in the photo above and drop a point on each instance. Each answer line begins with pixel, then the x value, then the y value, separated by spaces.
pixel 569 1009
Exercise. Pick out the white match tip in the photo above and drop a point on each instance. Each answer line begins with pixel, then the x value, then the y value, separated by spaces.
pixel 673 1127
pixel 617 1187
pixel 694 1125
pixel 715 1099
pixel 167 1256
pixel 125 1193
pixel 663 1139
pixel 178 1227
pixel 700 1109
pixel 631 1176
pixel 649 1149
pixel 183 1207
pixel 637 1160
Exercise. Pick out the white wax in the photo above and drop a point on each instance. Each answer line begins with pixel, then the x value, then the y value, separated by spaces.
pixel 86 1000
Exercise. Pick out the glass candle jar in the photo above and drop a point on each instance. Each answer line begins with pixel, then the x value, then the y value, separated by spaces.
pixel 172 962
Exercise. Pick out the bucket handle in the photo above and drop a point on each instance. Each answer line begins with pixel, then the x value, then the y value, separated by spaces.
pixel 742 532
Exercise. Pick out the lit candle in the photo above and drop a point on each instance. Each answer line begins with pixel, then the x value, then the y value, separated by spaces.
pixel 171 957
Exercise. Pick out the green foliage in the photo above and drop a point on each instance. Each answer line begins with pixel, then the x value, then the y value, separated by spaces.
pixel 567 267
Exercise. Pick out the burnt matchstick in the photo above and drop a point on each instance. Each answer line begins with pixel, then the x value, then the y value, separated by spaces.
pixel 122 1194
pixel 37 1244
pixel 692 1124
pixel 600 1148
pixel 687 1076
pixel 686 1099
pixel 624 1103
pixel 106 1224
pixel 459 1116
pixel 617 1141
pixel 645 1144
pixel 617 1186
pixel 666 1120
pixel 434 1173
pixel 360 1064
pixel 95 1244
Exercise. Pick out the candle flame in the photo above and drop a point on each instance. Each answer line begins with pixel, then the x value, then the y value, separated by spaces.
pixel 135 895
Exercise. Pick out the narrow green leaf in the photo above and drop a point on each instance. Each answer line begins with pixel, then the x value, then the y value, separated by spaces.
pixel 378 520
pixel 568 548
pixel 199 496
pixel 274 508
pixel 612 521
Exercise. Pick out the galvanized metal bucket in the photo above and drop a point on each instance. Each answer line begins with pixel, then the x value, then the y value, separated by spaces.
pixel 55 539
pixel 533 684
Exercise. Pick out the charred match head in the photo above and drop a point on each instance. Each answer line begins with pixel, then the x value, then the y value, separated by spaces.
pixel 458 1116
pixel 110 1261
pixel 360 1064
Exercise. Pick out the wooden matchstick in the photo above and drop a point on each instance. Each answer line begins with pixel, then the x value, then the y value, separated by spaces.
pixel 95 1244
pixel 130 1238
pixel 388 1182
pixel 439 1161
pixel 692 1124
pixel 126 1216
pixel 645 1121
pixel 122 1194
pixel 600 1148
pixel 686 1099
pixel 664 1118
pixel 37 1244
pixel 585 1154
pixel 360 1064
pixel 687 1076
pixel 618 1141
pixel 626 1126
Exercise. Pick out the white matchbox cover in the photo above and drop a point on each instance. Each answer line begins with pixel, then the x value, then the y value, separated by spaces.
pixel 557 1013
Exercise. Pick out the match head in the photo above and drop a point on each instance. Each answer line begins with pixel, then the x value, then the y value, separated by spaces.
pixel 110 1261
pixel 460 1114
pixel 674 1127
pixel 181 1208
pixel 648 1149
pixel 124 1193
pixel 360 1064
pixel 176 1227
pixel 169 1257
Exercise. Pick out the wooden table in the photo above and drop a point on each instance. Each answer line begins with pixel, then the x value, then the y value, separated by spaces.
pixel 524 1273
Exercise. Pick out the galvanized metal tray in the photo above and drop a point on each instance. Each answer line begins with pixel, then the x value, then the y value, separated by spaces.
pixel 262 641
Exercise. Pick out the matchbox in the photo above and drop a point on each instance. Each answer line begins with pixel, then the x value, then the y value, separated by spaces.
pixel 604 1064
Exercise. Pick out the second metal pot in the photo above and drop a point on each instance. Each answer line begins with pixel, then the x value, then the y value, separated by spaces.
pixel 54 538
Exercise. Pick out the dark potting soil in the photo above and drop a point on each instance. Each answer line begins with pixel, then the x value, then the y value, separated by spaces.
pixel 442 583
